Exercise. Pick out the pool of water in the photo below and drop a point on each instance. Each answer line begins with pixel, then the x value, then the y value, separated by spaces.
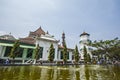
pixel 78 72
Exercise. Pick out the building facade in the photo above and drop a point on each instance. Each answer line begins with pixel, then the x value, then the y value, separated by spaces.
pixel 45 42
pixel 25 53
pixel 28 45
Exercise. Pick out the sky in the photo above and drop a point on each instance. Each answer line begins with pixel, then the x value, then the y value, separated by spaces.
pixel 99 18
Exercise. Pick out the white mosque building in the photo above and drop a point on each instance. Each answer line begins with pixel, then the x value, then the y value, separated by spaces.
pixel 28 45
pixel 44 39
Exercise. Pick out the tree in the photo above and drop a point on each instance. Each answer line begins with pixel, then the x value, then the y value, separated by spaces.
pixel 37 49
pixel 36 56
pixel 85 54
pixel 88 58
pixel 76 54
pixel 15 49
pixel 109 48
pixel 65 53
pixel 51 53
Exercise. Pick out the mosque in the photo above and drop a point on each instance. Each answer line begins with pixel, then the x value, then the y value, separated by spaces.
pixel 44 39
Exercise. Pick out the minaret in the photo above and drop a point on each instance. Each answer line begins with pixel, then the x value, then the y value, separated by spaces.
pixel 84 40
pixel 63 39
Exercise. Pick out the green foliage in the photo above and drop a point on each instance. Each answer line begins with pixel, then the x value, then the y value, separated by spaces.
pixel 109 48
pixel 85 54
pixel 65 53
pixel 51 53
pixel 76 54
pixel 15 49
pixel 37 49
pixel 87 57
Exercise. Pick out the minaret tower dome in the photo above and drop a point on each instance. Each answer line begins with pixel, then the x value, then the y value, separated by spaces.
pixel 84 36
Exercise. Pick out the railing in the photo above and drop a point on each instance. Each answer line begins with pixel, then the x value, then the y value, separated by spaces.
pixel 30 61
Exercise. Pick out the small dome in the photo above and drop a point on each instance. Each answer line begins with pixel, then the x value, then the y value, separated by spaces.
pixel 7 36
pixel 84 33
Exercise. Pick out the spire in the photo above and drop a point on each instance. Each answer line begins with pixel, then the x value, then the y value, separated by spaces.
pixel 63 39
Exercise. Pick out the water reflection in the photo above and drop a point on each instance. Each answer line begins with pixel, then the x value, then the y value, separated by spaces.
pixel 78 72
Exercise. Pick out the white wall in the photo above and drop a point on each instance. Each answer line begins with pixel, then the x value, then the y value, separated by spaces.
pixel 70 55
pixel 46 46
pixel 84 37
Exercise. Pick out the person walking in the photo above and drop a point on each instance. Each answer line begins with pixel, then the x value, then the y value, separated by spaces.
pixel 7 61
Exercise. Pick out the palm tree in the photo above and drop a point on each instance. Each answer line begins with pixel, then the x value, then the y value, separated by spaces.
pixel 109 48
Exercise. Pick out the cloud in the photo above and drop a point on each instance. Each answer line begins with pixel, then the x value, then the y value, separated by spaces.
pixel 96 17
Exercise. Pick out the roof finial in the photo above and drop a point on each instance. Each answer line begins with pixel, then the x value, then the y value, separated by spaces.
pixel 10 33
pixel 63 33
pixel 40 27
pixel 84 31
pixel 47 32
